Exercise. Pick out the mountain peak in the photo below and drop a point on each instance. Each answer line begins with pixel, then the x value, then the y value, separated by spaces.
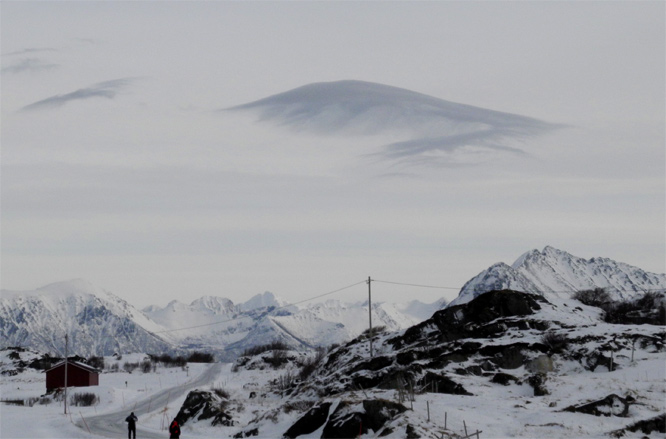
pixel 556 272
pixel 262 301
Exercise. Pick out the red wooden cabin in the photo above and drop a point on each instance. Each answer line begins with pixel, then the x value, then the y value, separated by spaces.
pixel 78 375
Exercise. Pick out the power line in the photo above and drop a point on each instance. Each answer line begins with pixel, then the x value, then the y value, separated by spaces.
pixel 415 285
pixel 572 291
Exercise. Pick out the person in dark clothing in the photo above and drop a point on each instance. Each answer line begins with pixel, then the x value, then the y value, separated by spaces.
pixel 131 425
pixel 174 429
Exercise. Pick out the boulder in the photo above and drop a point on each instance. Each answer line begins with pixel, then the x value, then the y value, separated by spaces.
pixel 612 405
pixel 540 364
pixel 310 421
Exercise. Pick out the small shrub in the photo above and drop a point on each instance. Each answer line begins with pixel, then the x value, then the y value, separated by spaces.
pixel 129 367
pixel 200 357
pixel 169 361
pixel 83 399
pixel 276 345
pixel 298 406
pixel 594 297
pixel 277 358
pixel 310 364
pixel 219 391
pixel 146 366
pixel 14 401
pixel 556 342
pixel 376 330
pixel 284 382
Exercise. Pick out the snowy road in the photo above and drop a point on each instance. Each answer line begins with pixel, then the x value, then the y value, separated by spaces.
pixel 113 424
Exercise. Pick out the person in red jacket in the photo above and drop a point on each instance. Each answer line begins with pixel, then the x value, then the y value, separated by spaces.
pixel 174 429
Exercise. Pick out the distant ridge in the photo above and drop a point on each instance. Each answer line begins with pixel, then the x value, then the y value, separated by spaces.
pixel 100 323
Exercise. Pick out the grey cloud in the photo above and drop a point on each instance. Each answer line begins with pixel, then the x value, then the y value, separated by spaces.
pixel 106 89
pixel 29 64
pixel 431 125
pixel 30 50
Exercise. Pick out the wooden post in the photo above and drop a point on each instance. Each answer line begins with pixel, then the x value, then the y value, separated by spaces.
pixel 370 314
pixel 445 416
pixel 465 425
pixel 611 363
pixel 66 361
pixel 428 406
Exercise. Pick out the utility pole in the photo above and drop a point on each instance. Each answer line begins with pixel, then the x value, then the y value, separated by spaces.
pixel 370 314
pixel 66 361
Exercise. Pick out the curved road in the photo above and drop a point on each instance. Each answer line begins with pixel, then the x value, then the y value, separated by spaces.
pixel 113 424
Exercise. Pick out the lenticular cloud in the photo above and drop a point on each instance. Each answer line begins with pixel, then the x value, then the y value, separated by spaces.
pixel 426 129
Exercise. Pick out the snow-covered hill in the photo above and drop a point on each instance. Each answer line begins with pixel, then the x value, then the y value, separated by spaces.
pixel 97 322
pixel 555 272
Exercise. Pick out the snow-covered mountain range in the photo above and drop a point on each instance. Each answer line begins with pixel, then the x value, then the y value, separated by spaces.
pixel 553 272
pixel 100 323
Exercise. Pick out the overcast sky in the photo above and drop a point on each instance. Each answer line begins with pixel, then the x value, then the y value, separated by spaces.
pixel 121 166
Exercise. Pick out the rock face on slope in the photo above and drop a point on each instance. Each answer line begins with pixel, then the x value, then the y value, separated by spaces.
pixel 552 272
pixel 501 338
pixel 525 364
pixel 452 340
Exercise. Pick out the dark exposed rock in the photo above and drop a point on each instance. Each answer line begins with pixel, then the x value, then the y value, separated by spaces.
pixel 470 370
pixel 310 421
pixel 373 364
pixel 473 319
pixel 380 411
pixel 247 433
pixel 201 405
pixel 405 358
pixel 645 426
pixel 436 383
pixel 510 357
pixel 504 378
pixel 597 359
pixel 411 432
pixel 346 423
pixel 538 382
pixel 612 405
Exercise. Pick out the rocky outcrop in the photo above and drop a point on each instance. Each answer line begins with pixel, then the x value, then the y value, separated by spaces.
pixel 486 316
pixel 201 405
pixel 348 419
pixel 612 405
